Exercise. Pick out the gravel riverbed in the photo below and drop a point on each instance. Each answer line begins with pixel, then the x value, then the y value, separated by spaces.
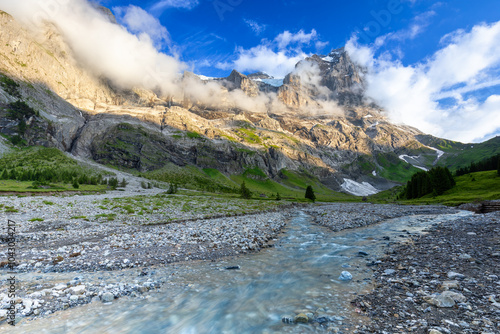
pixel 64 262
pixel 445 281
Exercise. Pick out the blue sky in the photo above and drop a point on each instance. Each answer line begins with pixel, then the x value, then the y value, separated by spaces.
pixel 204 33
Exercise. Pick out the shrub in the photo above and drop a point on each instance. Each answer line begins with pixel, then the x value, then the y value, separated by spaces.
pixel 10 86
pixel 124 183
pixel 172 188
pixel 113 182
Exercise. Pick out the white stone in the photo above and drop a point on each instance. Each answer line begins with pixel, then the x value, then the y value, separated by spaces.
pixel 77 290
pixel 345 276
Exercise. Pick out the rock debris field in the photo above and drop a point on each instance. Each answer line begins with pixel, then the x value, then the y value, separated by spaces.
pixel 446 281
pixel 75 250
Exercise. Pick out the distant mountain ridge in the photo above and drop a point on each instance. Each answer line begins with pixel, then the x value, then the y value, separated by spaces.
pixel 316 122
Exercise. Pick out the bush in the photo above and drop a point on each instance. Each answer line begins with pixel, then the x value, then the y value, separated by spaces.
pixel 76 185
pixel 172 188
pixel 10 86
pixel 278 197
pixel 113 183
pixel 19 110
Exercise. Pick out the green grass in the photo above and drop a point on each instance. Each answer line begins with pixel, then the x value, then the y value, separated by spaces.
pixel 292 186
pixel 187 203
pixel 27 186
pixel 394 168
pixel 107 216
pixel 472 187
pixel 10 209
pixel 462 155
pixel 248 136
pixel 193 135
pixel 36 220
pixel 192 177
pixel 255 172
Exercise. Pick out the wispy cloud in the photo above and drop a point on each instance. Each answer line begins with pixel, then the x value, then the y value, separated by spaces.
pixel 140 22
pixel 300 38
pixel 163 5
pixel 417 26
pixel 257 28
pixel 411 93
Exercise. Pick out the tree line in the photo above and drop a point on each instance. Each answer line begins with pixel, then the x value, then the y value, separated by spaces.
pixel 491 163
pixel 435 181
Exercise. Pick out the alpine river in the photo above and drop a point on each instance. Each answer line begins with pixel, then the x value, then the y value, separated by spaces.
pixel 300 274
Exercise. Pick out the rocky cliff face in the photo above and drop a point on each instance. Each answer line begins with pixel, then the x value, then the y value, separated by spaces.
pixel 87 116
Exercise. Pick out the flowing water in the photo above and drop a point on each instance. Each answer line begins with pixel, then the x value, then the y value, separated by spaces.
pixel 300 274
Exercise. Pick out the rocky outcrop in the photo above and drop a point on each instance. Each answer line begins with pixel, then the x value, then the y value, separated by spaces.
pixel 236 80
pixel 342 78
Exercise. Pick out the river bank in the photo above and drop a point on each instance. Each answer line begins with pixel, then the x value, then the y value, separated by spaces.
pixel 446 281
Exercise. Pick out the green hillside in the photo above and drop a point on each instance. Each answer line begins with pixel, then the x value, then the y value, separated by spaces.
pixel 474 187
pixel 459 154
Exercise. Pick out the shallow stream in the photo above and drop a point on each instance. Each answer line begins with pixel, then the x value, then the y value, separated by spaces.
pixel 300 274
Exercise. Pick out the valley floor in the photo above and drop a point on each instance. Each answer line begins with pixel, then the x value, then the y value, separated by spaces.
pixel 73 250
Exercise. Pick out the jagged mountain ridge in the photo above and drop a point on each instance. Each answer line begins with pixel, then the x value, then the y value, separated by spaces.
pixel 140 129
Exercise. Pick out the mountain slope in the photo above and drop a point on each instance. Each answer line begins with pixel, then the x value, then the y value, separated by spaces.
pixel 316 122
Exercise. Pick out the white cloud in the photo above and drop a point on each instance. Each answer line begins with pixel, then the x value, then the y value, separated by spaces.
pixel 162 5
pixel 104 48
pixel 411 93
pixel 300 38
pixel 140 22
pixel 277 57
pixel 257 28
pixel 263 58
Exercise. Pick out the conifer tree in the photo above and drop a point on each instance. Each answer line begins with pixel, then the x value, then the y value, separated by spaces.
pixel 310 194
pixel 244 191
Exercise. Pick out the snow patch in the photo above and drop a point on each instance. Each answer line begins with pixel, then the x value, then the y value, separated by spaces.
pixel 367 116
pixel 374 173
pixel 404 156
pixel 409 157
pixel 358 189
pixel 328 59
pixel 439 152
pixel 374 125
pixel 272 82
pixel 204 78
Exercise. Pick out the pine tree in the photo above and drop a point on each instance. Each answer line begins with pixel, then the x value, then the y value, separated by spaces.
pixel 278 197
pixel 76 185
pixel 123 184
pixel 310 194
pixel 245 192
